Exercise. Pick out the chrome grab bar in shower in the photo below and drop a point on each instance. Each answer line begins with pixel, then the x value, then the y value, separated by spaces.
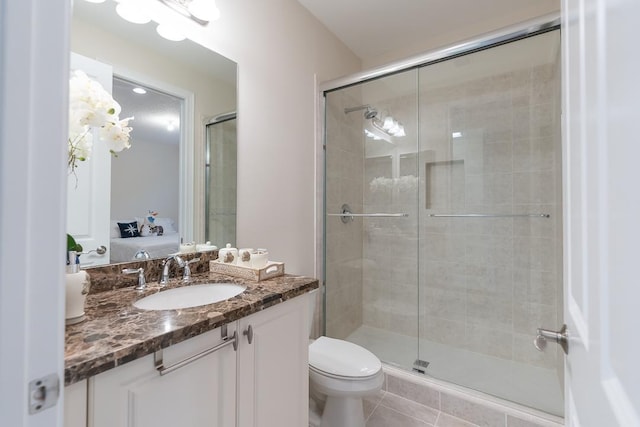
pixel 347 216
pixel 489 215
pixel 372 215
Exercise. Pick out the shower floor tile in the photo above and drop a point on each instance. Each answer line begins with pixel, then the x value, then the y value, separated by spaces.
pixel 527 385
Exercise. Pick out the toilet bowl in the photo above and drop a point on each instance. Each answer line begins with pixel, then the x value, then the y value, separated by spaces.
pixel 340 375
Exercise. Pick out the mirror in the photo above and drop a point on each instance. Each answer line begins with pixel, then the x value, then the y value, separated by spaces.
pixel 195 84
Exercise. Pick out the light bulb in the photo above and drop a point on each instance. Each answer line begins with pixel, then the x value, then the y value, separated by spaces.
pixel 205 10
pixel 388 123
pixel 132 13
pixel 394 129
pixel 170 33
pixel 400 131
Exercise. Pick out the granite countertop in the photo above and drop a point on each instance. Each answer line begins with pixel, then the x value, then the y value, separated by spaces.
pixel 115 332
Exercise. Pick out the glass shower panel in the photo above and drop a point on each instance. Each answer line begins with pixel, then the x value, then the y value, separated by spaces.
pixel 490 220
pixel 371 261
pixel 221 179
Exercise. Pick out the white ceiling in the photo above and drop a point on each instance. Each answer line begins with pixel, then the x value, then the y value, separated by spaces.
pixel 371 28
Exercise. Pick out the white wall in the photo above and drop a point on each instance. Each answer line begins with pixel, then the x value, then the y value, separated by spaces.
pixel 279 48
pixel 145 179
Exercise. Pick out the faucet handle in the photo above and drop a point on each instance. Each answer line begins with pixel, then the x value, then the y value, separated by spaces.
pixel 186 275
pixel 142 283
pixel 181 263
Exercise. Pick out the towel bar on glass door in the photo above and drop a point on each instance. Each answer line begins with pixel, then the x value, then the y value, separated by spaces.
pixel 489 215
pixel 347 216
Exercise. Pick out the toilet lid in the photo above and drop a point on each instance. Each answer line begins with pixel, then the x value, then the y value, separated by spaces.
pixel 342 358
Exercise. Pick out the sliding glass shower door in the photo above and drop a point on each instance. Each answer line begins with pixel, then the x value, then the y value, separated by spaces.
pixel 453 257
pixel 372 256
pixel 490 226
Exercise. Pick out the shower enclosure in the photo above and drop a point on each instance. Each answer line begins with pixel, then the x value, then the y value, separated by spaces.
pixel 443 217
pixel 221 179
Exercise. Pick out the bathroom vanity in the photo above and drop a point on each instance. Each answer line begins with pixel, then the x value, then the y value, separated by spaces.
pixel 239 362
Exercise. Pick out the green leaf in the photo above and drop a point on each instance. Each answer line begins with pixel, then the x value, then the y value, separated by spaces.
pixel 72 245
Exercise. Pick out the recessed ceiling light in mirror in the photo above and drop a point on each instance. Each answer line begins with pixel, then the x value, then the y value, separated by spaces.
pixel 172 125
pixel 139 90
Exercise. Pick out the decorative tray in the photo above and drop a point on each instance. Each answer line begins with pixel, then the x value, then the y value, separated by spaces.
pixel 271 270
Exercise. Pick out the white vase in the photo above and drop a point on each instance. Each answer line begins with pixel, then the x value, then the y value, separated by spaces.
pixel 76 290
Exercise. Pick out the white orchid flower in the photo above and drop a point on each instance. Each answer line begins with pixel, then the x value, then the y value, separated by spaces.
pixel 90 106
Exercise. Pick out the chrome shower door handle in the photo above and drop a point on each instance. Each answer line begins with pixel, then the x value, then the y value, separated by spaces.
pixel 561 337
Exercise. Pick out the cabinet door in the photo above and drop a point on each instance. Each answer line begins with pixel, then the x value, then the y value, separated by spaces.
pixel 75 405
pixel 273 374
pixel 201 393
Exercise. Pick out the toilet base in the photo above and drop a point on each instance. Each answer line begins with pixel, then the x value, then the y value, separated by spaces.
pixel 314 413
pixel 342 412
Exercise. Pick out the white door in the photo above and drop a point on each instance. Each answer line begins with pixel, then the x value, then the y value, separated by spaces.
pixel 89 189
pixel 33 71
pixel 602 213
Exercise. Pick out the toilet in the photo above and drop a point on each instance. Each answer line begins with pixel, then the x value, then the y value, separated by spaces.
pixel 340 375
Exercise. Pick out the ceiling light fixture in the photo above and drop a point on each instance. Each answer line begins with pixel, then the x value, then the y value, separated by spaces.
pixel 139 90
pixel 200 11
pixel 95 1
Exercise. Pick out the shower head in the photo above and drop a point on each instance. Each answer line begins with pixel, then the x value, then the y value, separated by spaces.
pixel 370 113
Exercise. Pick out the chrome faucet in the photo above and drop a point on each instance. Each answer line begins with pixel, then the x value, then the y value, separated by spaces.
pixel 164 279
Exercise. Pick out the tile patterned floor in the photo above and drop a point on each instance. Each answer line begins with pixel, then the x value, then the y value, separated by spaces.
pixel 388 410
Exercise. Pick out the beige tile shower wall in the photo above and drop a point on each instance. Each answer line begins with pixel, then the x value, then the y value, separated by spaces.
pixel 344 241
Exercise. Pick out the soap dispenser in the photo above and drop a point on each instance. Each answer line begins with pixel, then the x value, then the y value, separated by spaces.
pixel 76 289
pixel 228 255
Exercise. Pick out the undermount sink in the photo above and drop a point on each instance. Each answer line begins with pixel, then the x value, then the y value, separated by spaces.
pixel 190 296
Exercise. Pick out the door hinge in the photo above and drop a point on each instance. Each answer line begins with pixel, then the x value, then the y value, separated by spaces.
pixel 43 393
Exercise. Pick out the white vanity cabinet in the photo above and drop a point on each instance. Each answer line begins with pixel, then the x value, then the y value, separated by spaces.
pixel 201 393
pixel 263 383
pixel 75 404
pixel 273 372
